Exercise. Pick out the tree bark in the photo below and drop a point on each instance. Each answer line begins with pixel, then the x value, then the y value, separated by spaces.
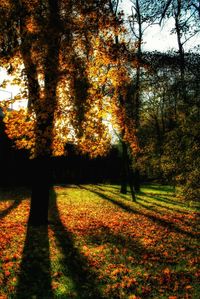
pixel 44 111
pixel 41 184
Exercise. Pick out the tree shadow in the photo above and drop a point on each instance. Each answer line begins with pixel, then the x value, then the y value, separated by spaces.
pixel 115 192
pixel 163 188
pixel 160 221
pixel 130 244
pixel 151 206
pixel 163 206
pixel 155 196
pixel 76 265
pixel 13 206
pixel 35 273
pixel 14 193
pixel 160 197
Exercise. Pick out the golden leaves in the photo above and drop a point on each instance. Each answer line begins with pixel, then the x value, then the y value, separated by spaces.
pixel 90 57
pixel 31 25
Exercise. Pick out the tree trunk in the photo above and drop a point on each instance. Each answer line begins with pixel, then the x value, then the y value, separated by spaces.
pixel 136 182
pixel 123 189
pixel 44 110
pixel 41 184
pixel 127 177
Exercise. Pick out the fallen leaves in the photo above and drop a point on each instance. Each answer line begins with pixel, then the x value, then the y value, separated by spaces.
pixel 131 251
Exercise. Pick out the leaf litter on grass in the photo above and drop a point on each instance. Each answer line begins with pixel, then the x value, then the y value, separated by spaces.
pixel 102 245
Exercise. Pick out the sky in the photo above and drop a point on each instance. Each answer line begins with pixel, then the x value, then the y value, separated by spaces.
pixel 158 37
pixel 10 91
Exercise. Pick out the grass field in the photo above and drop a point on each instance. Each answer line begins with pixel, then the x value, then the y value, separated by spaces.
pixel 99 244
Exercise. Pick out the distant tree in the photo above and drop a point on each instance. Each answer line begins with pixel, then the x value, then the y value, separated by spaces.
pixel 127 131
pixel 139 22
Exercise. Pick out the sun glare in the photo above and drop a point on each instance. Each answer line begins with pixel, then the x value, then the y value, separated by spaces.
pixel 8 91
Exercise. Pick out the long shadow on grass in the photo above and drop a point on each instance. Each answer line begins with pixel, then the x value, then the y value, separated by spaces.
pixel 151 206
pixel 172 209
pixel 162 188
pixel 167 224
pixel 126 242
pixel 156 201
pixel 76 266
pixel 35 275
pixel 163 206
pixel 160 197
pixel 7 211
pixel 155 196
pixel 153 209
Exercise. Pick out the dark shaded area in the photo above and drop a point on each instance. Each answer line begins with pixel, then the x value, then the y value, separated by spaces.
pixel 14 164
pixel 35 271
pixel 76 265
pixel 167 224
pixel 41 185
pixel 18 170
pixel 76 168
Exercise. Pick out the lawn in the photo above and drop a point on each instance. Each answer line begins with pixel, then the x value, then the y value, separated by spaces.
pixel 99 244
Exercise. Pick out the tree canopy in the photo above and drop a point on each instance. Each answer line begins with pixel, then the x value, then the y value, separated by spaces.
pixel 64 54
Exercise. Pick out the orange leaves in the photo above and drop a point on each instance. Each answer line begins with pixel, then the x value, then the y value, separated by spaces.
pixel 134 297
pixel 188 287
pixel 108 234
pixel 20 128
pixel 166 271
pixel 31 25
pixel 12 237
pixel 90 54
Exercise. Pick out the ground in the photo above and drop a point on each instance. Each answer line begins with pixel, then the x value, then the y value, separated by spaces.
pixel 99 244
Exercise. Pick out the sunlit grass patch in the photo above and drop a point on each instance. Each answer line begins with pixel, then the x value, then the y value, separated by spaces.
pixel 99 244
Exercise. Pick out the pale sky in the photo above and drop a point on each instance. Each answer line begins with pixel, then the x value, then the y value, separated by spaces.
pixel 158 37
pixel 10 91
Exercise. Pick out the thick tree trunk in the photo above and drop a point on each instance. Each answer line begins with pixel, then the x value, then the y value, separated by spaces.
pixel 41 184
pixel 44 125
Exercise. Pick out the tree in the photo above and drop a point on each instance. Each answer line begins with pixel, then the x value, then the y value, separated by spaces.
pixel 127 135
pixel 66 56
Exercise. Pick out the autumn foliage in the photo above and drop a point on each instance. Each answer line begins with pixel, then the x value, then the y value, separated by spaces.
pixel 73 74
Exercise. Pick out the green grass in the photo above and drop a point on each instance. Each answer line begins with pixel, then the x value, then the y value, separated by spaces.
pixel 99 244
